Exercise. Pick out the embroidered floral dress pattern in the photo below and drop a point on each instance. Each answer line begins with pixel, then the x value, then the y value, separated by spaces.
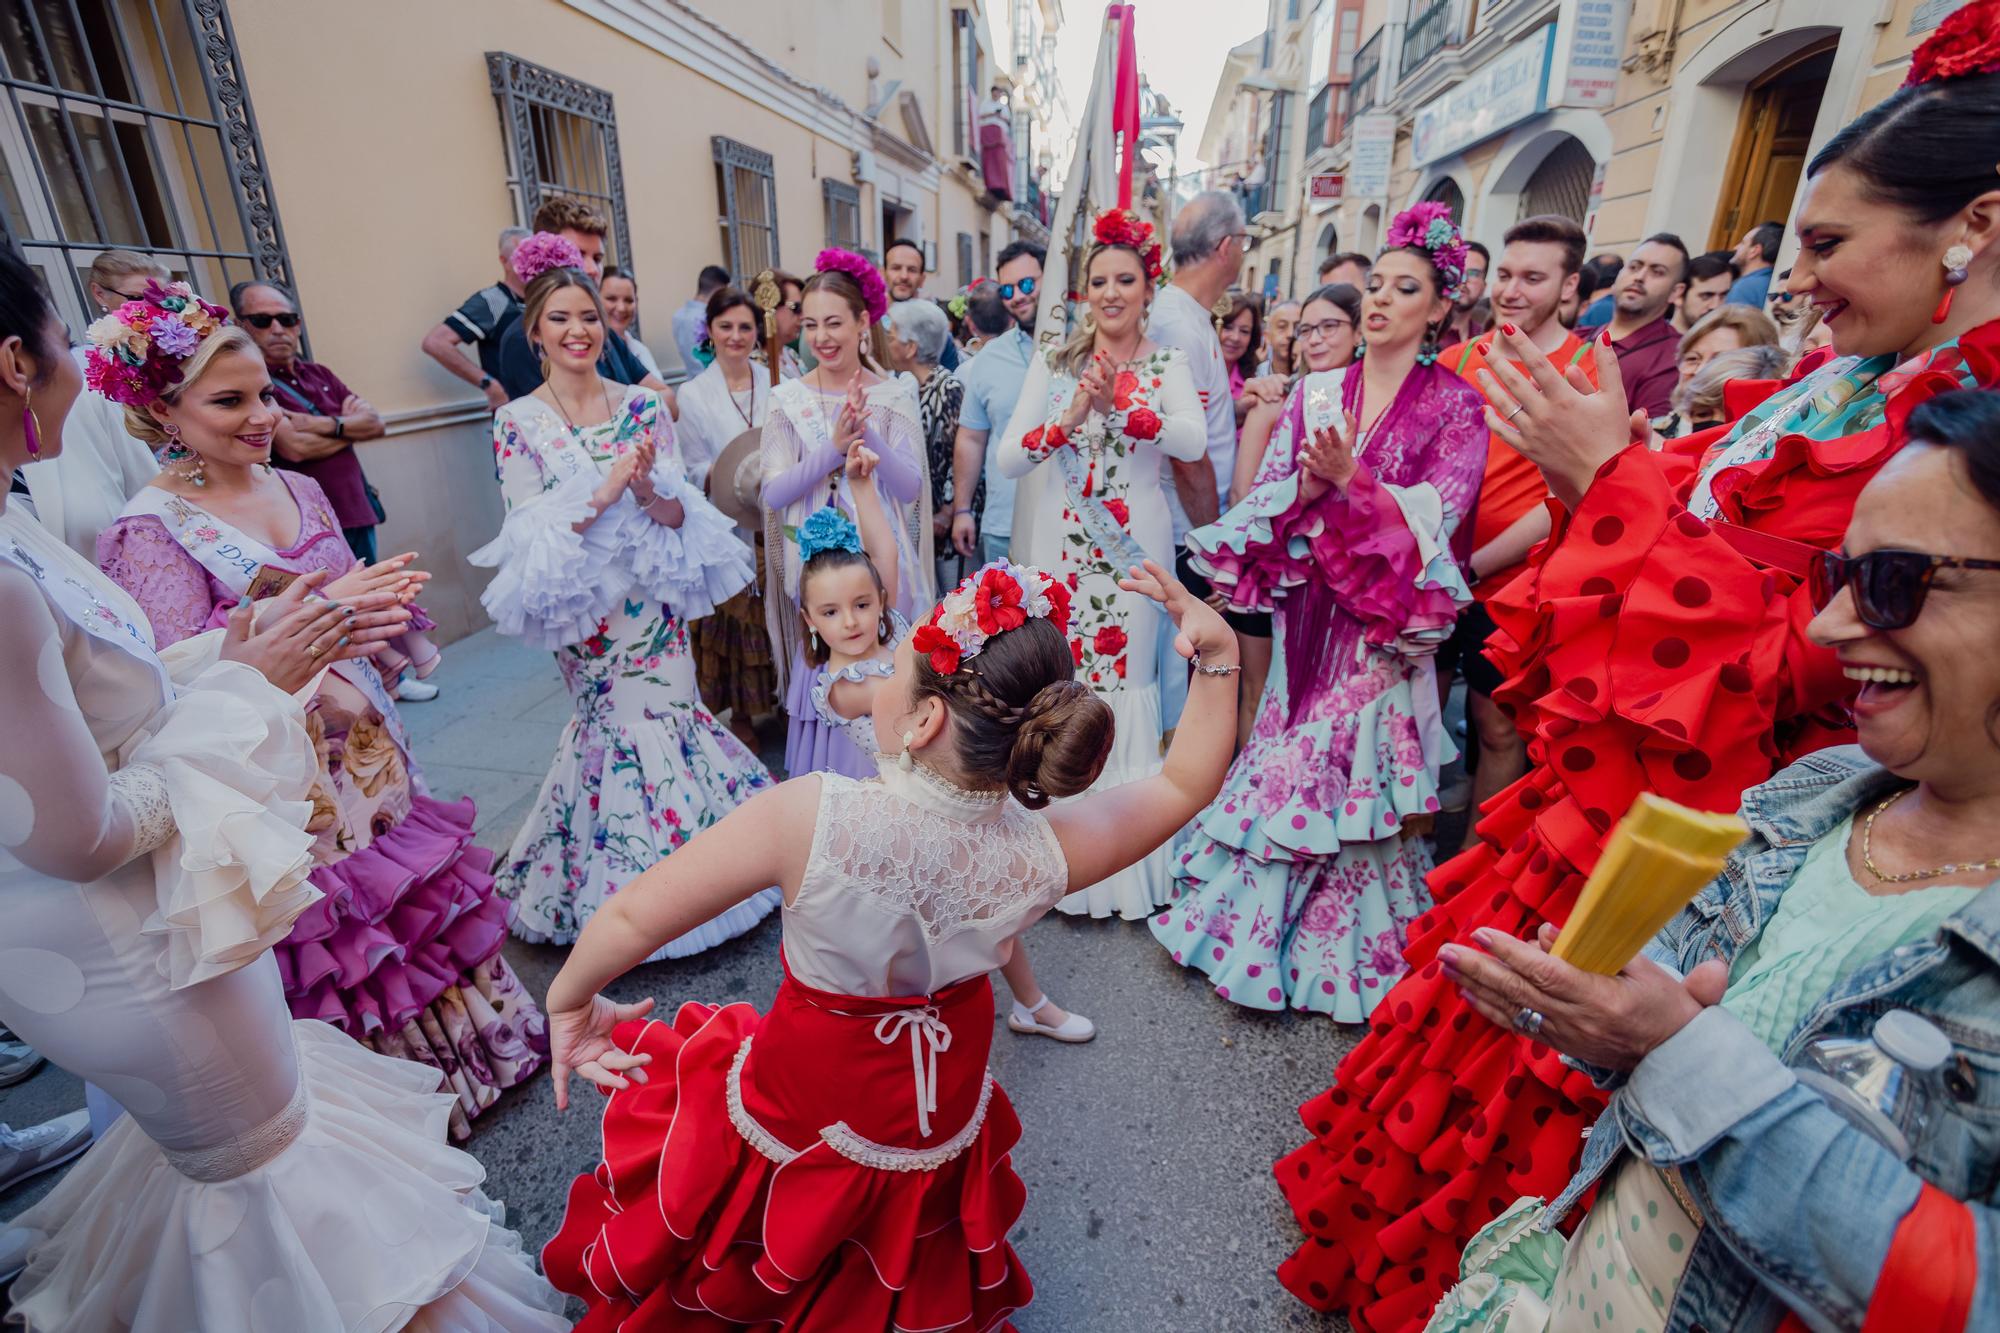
pixel 1101 630
pixel 642 765
pixel 1297 884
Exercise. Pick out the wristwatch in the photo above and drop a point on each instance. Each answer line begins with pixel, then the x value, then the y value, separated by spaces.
pixel 339 429
pixel 485 383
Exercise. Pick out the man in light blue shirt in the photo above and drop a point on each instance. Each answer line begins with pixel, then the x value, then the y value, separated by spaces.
pixel 1755 256
pixel 993 380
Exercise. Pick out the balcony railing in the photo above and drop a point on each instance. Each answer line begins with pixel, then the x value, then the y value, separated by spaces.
pixel 1432 28
pixel 1367 70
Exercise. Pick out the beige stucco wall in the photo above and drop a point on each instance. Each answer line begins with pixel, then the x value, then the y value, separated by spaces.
pixel 387 160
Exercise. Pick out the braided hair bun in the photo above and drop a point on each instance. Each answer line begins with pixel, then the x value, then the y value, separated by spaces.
pixel 1021 718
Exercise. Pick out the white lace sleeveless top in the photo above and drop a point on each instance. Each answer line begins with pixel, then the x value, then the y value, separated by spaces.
pixel 913 884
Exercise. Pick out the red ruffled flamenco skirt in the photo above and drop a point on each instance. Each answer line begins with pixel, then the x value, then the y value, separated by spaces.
pixel 776 1171
pixel 1643 656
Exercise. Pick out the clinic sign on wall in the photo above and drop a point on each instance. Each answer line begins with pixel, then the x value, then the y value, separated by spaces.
pixel 1503 92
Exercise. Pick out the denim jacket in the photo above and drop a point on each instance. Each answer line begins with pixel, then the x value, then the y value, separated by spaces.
pixel 1797 1206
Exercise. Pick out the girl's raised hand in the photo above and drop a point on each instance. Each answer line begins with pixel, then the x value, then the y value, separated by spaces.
pixel 1202 628
pixel 861 462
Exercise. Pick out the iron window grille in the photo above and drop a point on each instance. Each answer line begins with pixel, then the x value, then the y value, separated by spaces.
pixel 843 213
pixel 748 191
pixel 562 139
pixel 129 125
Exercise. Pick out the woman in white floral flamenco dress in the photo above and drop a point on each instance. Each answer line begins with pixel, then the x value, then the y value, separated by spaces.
pixel 607 553
pixel 841 1162
pixel 270 1173
pixel 1099 413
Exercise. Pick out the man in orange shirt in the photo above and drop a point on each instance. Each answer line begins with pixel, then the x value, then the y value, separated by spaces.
pixel 1536 273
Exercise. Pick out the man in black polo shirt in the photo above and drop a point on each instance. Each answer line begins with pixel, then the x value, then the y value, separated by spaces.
pixel 482 321
pixel 520 372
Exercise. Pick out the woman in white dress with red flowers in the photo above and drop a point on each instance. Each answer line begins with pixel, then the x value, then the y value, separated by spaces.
pixel 1097 414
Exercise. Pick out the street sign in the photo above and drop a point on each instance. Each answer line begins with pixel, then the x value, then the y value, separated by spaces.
pixel 1326 185
pixel 1374 144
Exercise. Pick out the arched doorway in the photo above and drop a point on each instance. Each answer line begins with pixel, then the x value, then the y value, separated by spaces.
pixel 1329 240
pixel 1445 191
pixel 1773 136
pixel 1371 229
pixel 1561 184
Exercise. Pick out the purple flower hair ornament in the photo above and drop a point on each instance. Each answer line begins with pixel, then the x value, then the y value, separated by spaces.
pixel 543 251
pixel 1428 227
pixel 874 291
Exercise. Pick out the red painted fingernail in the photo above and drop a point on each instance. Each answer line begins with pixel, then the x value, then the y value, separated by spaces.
pixel 1510 329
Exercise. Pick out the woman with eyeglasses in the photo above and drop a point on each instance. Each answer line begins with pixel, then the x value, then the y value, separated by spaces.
pixel 1652 644
pixel 1294 888
pixel 1860 917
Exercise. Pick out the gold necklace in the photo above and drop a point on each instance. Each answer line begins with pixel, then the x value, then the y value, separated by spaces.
pixel 1868 851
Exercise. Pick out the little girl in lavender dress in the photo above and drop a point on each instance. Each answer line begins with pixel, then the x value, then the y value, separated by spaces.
pixel 852 633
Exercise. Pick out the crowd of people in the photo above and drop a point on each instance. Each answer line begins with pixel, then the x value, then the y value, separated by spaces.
pixel 1165 616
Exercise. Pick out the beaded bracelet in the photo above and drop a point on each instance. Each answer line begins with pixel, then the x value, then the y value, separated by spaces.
pixel 1229 670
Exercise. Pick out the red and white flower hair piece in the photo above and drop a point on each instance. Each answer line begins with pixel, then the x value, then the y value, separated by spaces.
pixel 1000 597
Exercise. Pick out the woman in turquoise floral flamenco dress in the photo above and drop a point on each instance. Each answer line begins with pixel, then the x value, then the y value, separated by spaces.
pixel 606 554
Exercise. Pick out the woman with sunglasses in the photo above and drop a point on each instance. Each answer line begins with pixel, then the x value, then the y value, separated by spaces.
pixel 1652 644
pixel 1730 1190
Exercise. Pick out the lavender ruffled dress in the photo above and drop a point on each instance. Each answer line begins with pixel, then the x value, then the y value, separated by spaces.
pixel 1296 885
pixel 403 951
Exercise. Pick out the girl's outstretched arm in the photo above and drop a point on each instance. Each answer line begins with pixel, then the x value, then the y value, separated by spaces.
pixel 1104 832
pixel 762 842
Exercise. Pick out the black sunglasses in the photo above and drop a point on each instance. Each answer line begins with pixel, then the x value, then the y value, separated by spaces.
pixel 1026 286
pixel 287 320
pixel 1889 586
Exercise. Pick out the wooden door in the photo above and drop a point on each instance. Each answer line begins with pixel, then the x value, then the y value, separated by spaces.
pixel 1769 154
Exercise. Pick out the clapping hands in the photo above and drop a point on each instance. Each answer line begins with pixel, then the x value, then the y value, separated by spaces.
pixel 852 422
pixel 1326 460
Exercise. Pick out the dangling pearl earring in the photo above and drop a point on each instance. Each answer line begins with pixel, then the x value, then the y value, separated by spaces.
pixel 905 760
pixel 1956 261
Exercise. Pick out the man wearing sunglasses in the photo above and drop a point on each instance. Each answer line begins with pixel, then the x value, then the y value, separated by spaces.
pixel 1005 312
pixel 323 419
pixel 1539 267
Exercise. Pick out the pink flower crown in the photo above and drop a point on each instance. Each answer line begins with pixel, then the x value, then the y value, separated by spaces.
pixel 137 350
pixel 543 251
pixel 874 291
pixel 1428 226
pixel 998 598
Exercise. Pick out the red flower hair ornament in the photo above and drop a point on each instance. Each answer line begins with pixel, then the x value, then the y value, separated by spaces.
pixel 998 598
pixel 1966 43
pixel 1121 226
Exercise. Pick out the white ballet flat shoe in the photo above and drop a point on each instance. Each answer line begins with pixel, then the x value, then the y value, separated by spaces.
pixel 1076 1028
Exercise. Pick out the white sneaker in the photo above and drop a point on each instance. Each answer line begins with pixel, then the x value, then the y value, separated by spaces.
pixel 15 1242
pixel 414 691
pixel 18 1060
pixel 31 1151
pixel 1075 1028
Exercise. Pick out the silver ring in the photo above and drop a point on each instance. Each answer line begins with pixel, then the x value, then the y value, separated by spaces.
pixel 1519 408
pixel 1529 1022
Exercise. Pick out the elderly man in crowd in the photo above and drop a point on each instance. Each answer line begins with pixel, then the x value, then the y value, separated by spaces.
pixel 904 271
pixel 918 334
pixel 323 419
pixel 1208 244
pixel 585 228
pixel 481 321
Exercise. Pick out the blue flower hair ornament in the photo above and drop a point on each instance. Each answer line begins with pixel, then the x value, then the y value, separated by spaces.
pixel 827 529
